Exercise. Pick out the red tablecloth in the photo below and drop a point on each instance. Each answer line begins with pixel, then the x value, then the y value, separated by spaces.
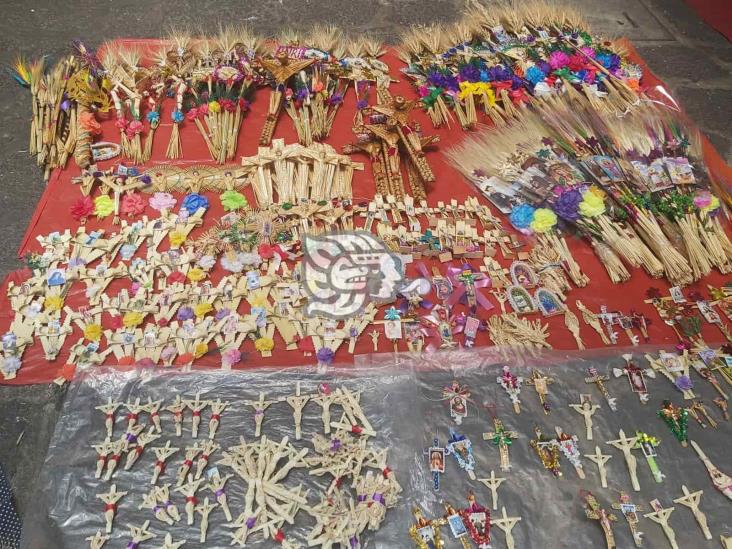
pixel 52 214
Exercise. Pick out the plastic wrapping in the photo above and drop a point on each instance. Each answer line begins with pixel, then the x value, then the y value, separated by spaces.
pixel 68 488
pixel 402 397
pixel 551 510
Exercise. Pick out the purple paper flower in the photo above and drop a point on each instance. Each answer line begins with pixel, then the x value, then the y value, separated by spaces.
pixel 567 205
pixel 222 313
pixel 325 356
pixel 362 104
pixel 185 313
pixel 469 73
pixel 683 383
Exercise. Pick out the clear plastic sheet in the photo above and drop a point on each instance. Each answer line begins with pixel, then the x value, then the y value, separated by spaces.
pixel 67 496
pixel 402 397
pixel 551 510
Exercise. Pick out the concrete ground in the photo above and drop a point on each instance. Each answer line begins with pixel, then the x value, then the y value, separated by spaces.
pixel 689 56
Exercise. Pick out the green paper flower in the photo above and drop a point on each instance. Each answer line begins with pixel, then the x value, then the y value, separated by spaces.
pixel 232 200
pixel 103 206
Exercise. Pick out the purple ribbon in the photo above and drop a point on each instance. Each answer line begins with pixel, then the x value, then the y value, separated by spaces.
pixel 168 504
pixel 218 493
pixel 131 438
pixel 251 521
pixel 378 497
pixel 362 498
pixel 354 542
pixel 335 445
pixel 133 545
pixel 156 509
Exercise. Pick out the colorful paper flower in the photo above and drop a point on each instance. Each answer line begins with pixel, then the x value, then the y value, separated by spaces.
pixel 233 200
pixel 176 239
pixel 132 319
pixel 53 303
pixel 184 313
pixel 558 60
pixel 206 262
pixel 592 204
pixel 202 309
pixel 230 357
pixel 544 220
pixel 177 116
pixel 567 205
pixel 176 277
pixel 132 204
pixel 196 274
pixel 10 364
pixel 522 216
pixel 103 206
pixel 231 262
pixel 200 350
pixel 194 201
pixel 264 344
pixel 82 208
pixel 93 332
pixel 325 356
pixel 162 201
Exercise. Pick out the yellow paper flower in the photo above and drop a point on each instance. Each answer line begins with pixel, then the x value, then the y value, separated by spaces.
pixel 103 206
pixel 592 204
pixel 202 309
pixel 544 220
pixel 132 319
pixel 264 344
pixel 214 106
pixel 196 274
pixel 93 332
pixel 176 239
pixel 200 350
pixel 53 303
pixel 477 88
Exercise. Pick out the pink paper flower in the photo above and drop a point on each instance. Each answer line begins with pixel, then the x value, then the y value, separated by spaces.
pixel 162 201
pixel 702 199
pixel 231 357
pixel 558 60
pixel 132 204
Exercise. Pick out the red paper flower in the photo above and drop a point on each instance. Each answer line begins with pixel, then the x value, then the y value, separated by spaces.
pixel 175 277
pixel 121 123
pixel 193 113
pixel 163 322
pixel 266 251
pixel 576 63
pixel 82 208
pixel 132 204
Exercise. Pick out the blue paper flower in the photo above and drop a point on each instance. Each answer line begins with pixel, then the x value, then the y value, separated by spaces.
pixel 522 216
pixel 534 75
pixel 153 117
pixel 177 116
pixel 193 201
